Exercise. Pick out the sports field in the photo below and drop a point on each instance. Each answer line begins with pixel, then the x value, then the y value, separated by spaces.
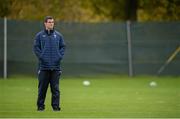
pixel 106 97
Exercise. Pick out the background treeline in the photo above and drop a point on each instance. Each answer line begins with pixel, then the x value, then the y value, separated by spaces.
pixel 92 10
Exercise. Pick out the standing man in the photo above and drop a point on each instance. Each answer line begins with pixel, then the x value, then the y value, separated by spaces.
pixel 49 48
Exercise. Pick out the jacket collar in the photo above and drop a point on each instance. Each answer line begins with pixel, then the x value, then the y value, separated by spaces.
pixel 49 32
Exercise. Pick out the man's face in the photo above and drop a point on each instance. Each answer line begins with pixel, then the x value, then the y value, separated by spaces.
pixel 49 24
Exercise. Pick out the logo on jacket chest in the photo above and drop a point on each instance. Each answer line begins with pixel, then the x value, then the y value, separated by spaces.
pixel 54 35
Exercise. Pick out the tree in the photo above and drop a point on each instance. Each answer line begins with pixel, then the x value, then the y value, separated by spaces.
pixel 5 7
pixel 115 10
pixel 159 10
pixel 92 10
pixel 131 8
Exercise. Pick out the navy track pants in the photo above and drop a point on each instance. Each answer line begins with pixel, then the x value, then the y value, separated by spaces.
pixel 45 78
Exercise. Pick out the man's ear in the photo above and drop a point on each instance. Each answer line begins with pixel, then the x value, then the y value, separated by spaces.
pixel 45 24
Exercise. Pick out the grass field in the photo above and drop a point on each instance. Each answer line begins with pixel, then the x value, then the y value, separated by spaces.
pixel 106 97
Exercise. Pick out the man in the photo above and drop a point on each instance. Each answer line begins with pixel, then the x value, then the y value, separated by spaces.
pixel 49 48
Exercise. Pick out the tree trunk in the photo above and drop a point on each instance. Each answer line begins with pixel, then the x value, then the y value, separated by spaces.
pixel 131 10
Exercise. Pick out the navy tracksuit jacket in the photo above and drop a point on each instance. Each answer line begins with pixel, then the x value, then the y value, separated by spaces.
pixel 49 48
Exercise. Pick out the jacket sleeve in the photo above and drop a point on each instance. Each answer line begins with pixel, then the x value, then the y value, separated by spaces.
pixel 37 46
pixel 62 46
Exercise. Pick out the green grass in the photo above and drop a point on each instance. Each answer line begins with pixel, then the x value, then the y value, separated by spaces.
pixel 111 96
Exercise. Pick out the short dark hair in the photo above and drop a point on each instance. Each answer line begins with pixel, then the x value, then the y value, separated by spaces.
pixel 48 17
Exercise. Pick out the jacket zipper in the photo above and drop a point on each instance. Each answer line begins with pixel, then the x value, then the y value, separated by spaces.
pixel 50 52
